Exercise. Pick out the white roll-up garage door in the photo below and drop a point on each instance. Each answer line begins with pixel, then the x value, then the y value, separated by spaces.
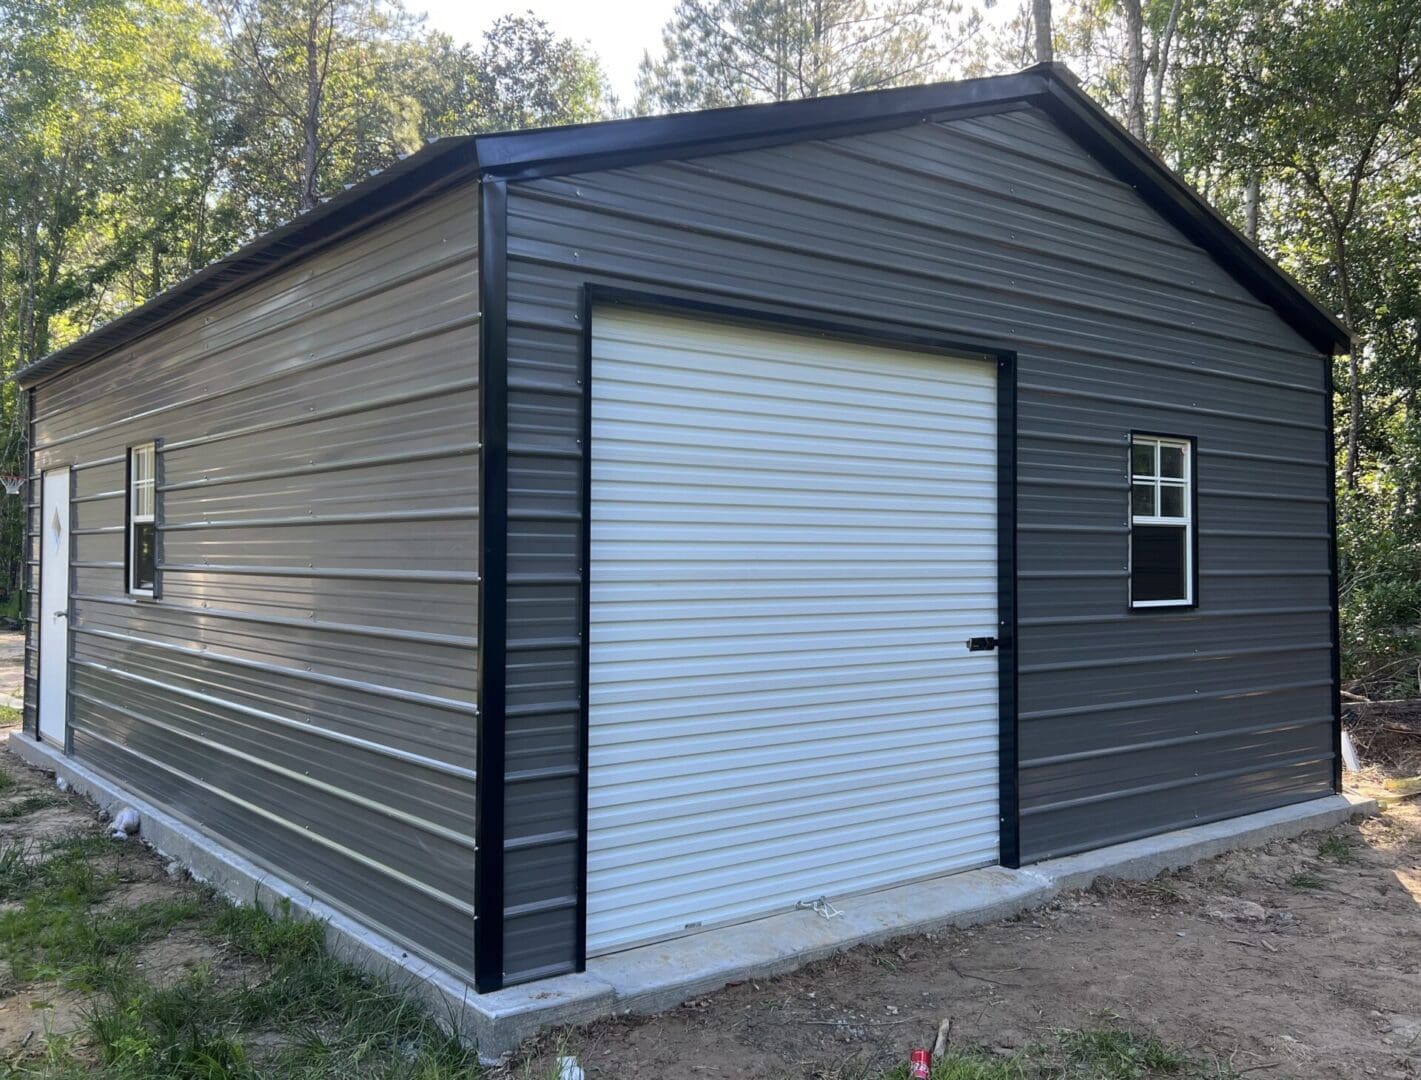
pixel 792 540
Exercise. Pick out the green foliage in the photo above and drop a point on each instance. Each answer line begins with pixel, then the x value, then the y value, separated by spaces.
pixel 294 1011
pixel 1338 850
pixel 1305 880
pixel 735 52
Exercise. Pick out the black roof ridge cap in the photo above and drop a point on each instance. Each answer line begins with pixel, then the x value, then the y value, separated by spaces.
pixel 671 132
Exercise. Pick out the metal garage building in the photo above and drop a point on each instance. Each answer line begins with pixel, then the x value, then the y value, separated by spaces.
pixel 571 539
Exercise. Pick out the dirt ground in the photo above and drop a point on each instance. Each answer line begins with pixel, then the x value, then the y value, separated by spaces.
pixel 1301 960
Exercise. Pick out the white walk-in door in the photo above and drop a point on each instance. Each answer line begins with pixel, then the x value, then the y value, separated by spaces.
pixel 54 607
pixel 792 540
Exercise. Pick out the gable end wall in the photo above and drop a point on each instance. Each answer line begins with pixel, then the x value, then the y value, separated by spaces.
pixel 998 229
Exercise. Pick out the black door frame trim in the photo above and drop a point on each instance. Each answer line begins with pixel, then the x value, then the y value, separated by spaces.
pixel 492 676
pixel 882 334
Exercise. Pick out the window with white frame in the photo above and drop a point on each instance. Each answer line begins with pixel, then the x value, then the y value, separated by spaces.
pixel 1161 522
pixel 142 527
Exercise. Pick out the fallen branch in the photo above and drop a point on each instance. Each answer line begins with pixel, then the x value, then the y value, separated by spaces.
pixel 943 1029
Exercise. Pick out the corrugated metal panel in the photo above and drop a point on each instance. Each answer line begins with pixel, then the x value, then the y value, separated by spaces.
pixel 304 688
pixel 792 541
pixel 997 228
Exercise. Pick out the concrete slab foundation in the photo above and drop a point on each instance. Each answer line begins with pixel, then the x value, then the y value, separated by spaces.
pixel 656 977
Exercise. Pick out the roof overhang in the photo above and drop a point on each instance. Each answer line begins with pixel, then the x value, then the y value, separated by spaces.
pixel 524 155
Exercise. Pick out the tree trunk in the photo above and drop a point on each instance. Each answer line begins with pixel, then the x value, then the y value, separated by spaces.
pixel 1250 207
pixel 1354 386
pixel 311 119
pixel 1162 51
pixel 1041 20
pixel 1135 68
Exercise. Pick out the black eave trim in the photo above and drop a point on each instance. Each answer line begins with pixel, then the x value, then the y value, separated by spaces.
pixel 1336 658
pixel 868 333
pixel 493 584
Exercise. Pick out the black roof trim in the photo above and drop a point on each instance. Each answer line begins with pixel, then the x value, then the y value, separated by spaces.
pixel 1114 147
pixel 523 155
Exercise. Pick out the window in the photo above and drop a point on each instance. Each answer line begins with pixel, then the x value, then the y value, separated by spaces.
pixel 142 529
pixel 1161 522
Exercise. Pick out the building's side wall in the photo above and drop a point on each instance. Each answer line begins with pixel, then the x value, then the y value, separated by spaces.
pixel 999 229
pixel 304 687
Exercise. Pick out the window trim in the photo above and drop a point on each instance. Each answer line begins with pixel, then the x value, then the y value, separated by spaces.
pixel 1190 445
pixel 131 519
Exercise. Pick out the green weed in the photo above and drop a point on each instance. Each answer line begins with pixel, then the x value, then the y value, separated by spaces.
pixel 1338 850
pixel 1305 880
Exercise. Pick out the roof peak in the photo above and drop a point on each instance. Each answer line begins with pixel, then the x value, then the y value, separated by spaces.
pixel 523 155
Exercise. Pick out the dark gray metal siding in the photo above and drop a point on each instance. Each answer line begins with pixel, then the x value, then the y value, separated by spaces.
pixel 304 688
pixel 996 228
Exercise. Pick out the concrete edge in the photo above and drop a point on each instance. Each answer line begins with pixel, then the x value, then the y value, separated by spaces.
pixel 657 977
pixel 567 999
pixel 1140 860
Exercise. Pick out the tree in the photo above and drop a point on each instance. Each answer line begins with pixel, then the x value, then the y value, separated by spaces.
pixel 1041 24
pixel 316 84
pixel 734 52
pixel 1254 98
pixel 530 77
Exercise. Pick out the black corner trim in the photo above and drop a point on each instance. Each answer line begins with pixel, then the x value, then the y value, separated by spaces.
pixel 1336 657
pixel 869 333
pixel 493 584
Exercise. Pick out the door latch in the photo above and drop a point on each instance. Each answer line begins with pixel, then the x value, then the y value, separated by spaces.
pixel 982 644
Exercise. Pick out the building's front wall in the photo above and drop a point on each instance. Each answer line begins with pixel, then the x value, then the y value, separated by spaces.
pixel 996 229
pixel 303 688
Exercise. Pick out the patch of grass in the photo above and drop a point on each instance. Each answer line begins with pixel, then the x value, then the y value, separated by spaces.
pixel 1306 880
pixel 284 1007
pixel 1338 850
pixel 27 806
pixel 7 781
pixel 1114 1054
pixel 10 717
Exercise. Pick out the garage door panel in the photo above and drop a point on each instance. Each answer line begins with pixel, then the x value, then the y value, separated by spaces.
pixel 678 696
pixel 814 473
pixel 749 723
pixel 742 362
pixel 736 819
pixel 731 899
pixel 792 539
pixel 778 851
